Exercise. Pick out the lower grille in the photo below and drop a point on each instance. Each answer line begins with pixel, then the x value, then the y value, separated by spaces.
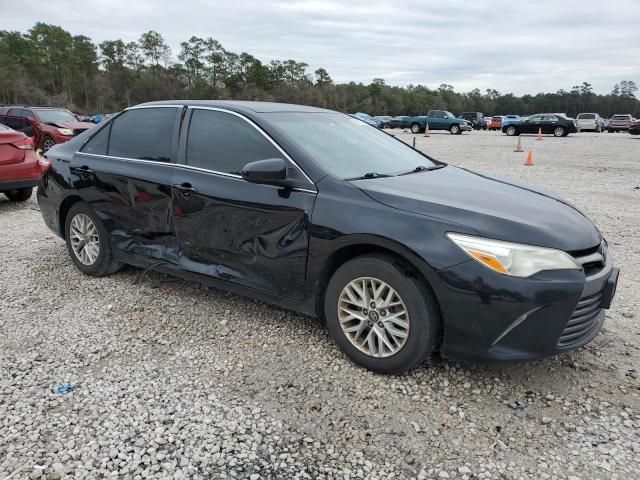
pixel 78 131
pixel 583 321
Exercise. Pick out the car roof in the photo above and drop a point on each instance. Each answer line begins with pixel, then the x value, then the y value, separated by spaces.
pixel 241 106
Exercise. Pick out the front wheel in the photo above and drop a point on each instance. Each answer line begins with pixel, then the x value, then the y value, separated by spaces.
pixel 559 132
pixel 382 318
pixel 455 130
pixel 47 143
pixel 19 195
pixel 88 242
pixel 415 128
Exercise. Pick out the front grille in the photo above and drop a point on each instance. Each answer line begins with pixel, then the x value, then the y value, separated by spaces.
pixel 592 259
pixel 583 321
pixel 78 131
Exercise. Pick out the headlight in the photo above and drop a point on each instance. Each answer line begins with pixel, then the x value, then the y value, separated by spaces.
pixel 513 258
pixel 65 131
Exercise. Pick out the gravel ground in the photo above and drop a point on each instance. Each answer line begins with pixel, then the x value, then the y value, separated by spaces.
pixel 174 380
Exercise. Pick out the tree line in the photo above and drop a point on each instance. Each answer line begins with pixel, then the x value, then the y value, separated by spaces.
pixel 49 66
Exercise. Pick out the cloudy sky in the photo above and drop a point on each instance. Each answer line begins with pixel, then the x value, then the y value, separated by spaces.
pixel 503 44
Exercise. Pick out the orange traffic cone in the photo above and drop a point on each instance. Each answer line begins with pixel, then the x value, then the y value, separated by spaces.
pixel 426 131
pixel 529 161
pixel 518 146
pixel 539 134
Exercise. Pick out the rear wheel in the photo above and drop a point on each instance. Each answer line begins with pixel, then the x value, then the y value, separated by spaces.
pixel 19 195
pixel 88 242
pixel 559 132
pixel 381 318
pixel 511 131
pixel 415 128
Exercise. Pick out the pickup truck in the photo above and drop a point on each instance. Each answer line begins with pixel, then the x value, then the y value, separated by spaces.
pixel 439 120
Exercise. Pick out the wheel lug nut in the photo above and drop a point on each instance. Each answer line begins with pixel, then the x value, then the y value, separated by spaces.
pixel 381 325
pixel 383 313
pixel 364 311
pixel 373 305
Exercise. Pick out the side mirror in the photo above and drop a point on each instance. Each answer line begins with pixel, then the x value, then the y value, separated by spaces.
pixel 272 171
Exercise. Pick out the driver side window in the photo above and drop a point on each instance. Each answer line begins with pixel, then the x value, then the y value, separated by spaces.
pixel 225 143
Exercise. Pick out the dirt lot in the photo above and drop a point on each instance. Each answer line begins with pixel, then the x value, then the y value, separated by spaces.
pixel 173 380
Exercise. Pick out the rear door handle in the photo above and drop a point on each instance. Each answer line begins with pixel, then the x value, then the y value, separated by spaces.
pixel 83 169
pixel 185 188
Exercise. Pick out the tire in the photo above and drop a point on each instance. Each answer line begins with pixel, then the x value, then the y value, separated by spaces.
pixel 46 143
pixel 455 130
pixel 422 317
pixel 511 131
pixel 559 132
pixel 610 131
pixel 104 263
pixel 19 195
pixel 415 128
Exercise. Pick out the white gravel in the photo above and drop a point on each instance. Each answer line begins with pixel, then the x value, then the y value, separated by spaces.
pixel 173 380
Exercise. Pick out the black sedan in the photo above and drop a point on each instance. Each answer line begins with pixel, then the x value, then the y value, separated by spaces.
pixel 315 211
pixel 558 125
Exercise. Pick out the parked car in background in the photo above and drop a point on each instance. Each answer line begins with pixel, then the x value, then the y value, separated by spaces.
pixel 618 123
pixel 555 124
pixel 590 121
pixel 439 120
pixel 400 254
pixel 365 117
pixel 55 125
pixel 478 122
pixel 20 167
pixel 383 119
pixel 401 121
pixel 634 128
pixel 495 123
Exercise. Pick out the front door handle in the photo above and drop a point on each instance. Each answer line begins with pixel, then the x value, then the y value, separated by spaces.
pixel 185 188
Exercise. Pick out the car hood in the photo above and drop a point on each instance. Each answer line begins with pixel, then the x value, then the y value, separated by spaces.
pixel 494 208
pixel 73 125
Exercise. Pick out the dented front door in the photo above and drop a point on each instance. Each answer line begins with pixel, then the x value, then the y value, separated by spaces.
pixel 252 235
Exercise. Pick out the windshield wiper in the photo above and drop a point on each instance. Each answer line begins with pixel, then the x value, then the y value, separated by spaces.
pixel 370 175
pixel 422 168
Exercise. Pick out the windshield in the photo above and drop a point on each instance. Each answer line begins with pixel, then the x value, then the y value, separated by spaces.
pixel 55 116
pixel 346 147
pixel 586 116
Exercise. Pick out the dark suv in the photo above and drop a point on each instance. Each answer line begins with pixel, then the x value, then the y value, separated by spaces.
pixel 54 125
pixel 478 122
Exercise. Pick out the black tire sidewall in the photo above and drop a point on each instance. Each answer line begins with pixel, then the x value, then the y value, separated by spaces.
pixel 21 195
pixel 424 320
pixel 104 262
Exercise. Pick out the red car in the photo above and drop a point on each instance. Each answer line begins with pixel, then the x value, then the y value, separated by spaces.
pixel 20 167
pixel 495 123
pixel 55 125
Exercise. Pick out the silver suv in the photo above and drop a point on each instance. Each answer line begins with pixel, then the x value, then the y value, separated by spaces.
pixel 619 122
pixel 590 121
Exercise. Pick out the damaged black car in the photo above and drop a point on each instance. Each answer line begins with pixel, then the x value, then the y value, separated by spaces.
pixel 315 211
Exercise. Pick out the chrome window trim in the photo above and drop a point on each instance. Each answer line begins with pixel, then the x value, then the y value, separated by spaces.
pixel 188 167
pixel 136 107
pixel 258 128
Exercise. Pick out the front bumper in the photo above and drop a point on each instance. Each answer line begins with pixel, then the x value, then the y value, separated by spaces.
pixel 492 317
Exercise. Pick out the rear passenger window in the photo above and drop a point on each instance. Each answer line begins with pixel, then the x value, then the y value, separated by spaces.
pixel 144 134
pixel 225 143
pixel 98 143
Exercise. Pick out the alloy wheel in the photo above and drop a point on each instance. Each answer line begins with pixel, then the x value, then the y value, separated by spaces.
pixel 47 144
pixel 85 242
pixel 511 131
pixel 558 131
pixel 455 129
pixel 373 317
